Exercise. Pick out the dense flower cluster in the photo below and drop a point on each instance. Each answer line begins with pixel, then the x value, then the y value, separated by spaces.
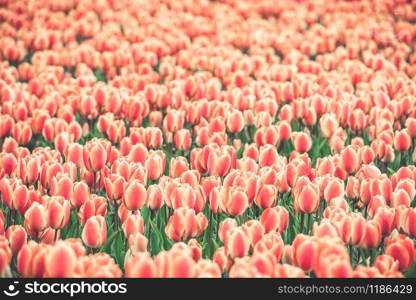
pixel 196 138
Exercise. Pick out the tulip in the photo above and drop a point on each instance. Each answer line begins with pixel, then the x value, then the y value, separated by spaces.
pixel 271 243
pixel 95 157
pixel 137 243
pixel 184 223
pixel 222 260
pixel 372 235
pixel 94 233
pixel 307 200
pixel 233 201
pixel 31 260
pixel 114 187
pixel 386 264
pixel 155 165
pixel 135 195
pixel 219 163
pixel 350 160
pixel 133 224
pixel 141 266
pixel 7 163
pixel 402 141
pixel 401 248
pixel 268 156
pixel 386 218
pixel 275 219
pixel 225 227
pixel 409 222
pixel 22 133
pixel 266 196
pixel 58 212
pixel 1 222
pixel 305 252
pixel 154 199
pixel 36 217
pixel 17 238
pixel 93 206
pixel 235 121
pixel 80 194
pixel 177 166
pixel 237 244
pixel 301 141
pixel 60 261
pixel 183 139
pixel 116 131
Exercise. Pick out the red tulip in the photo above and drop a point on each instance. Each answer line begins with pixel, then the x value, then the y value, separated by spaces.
pixel 235 121
pixel 95 157
pixel 183 139
pixel 141 266
pixel 372 235
pixel 58 212
pixel 177 166
pixel 135 195
pixel 301 141
pixel 266 196
pixel 93 206
pixel 350 159
pixel 237 244
pixel 60 261
pixel 154 199
pixel 401 248
pixel 275 219
pixel 133 224
pixel 114 187
pixel 36 217
pixel 155 164
pixel 80 194
pixel 402 141
pixel 184 223
pixel 94 233
pixel 17 237
pixel 137 243
pixel 307 199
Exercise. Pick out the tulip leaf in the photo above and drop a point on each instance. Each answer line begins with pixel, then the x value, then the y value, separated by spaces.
pixel 156 239
pixel 108 244
pixel 412 272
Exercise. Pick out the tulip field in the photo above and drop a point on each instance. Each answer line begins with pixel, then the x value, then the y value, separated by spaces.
pixel 197 138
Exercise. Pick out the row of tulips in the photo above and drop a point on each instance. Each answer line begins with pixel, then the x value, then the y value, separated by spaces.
pixel 207 138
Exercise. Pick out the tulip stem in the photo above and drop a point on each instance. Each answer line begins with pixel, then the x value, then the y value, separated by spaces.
pixel 217 218
pixel 14 216
pixel 116 215
pixel 372 252
pixel 56 235
pixel 301 222
pixel 209 234
pixel 308 222
pixel 9 218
